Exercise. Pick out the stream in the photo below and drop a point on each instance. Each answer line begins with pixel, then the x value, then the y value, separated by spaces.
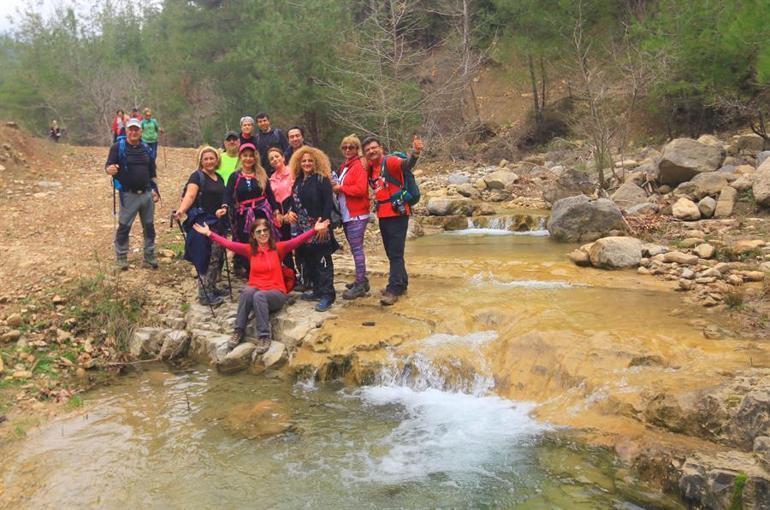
pixel 441 426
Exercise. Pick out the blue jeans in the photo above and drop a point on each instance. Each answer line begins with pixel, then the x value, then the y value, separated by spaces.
pixel 153 149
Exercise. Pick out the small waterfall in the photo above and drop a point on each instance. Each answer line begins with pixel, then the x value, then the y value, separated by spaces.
pixel 506 224
pixel 451 423
pixel 484 279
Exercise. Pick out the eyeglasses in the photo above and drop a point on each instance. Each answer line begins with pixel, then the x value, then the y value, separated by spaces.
pixel 349 147
pixel 261 231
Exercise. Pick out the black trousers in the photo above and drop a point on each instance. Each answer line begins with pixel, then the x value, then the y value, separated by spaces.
pixel 319 269
pixel 393 231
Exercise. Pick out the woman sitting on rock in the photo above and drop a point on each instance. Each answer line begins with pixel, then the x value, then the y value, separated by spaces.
pixel 248 196
pixel 266 291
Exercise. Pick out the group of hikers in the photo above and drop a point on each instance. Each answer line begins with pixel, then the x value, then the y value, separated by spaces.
pixel 151 129
pixel 278 199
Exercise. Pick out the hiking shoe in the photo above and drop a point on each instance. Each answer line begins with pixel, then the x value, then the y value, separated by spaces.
pixel 365 283
pixel 211 300
pixel 151 260
pixel 235 338
pixel 324 304
pixel 122 263
pixel 263 344
pixel 310 296
pixel 388 299
pixel 221 292
pixel 356 291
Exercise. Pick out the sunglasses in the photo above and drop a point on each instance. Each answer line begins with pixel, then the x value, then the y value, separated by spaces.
pixel 349 147
pixel 261 231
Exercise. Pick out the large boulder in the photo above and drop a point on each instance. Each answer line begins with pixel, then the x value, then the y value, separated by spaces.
pixel 616 252
pixel 761 186
pixel 238 359
pixel 502 179
pixel 629 195
pixel 569 184
pixel 750 142
pixel 445 206
pixel 702 185
pixel 685 209
pixel 684 158
pixel 581 219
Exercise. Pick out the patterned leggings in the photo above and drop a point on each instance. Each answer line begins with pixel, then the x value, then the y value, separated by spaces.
pixel 354 233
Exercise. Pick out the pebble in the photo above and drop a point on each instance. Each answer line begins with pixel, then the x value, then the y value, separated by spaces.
pixel 14 320
pixel 58 300
pixel 10 336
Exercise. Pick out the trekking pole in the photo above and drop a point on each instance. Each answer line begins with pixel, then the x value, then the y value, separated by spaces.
pixel 200 278
pixel 227 272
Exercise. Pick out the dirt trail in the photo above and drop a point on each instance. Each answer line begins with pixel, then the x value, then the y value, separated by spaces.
pixel 58 220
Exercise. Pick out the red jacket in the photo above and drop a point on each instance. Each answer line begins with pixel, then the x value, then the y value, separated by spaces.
pixel 383 189
pixel 355 187
pixel 265 272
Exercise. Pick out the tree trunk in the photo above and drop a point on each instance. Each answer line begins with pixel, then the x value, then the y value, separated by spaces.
pixel 535 97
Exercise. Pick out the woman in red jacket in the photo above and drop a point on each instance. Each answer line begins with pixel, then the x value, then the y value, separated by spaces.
pixel 352 188
pixel 266 291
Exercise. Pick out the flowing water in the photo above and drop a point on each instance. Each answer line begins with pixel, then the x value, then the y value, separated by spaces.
pixel 432 430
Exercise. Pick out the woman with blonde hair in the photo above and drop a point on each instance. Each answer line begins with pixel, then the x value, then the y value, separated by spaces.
pixel 248 196
pixel 313 201
pixel 203 200
pixel 352 187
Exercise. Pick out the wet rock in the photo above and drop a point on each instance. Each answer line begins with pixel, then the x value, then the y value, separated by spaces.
pixel 647 360
pixel 727 197
pixel 238 359
pixel 569 184
pixel 707 206
pixel 685 209
pixel 709 481
pixel 581 219
pixel 145 342
pixel 680 258
pixel 616 252
pixel 275 356
pixel 10 336
pixel 704 251
pixel 208 346
pixel 580 258
pixel 260 419
pixel 445 206
pixel 629 195
pixel 14 320
pixel 684 158
pixel 175 344
pixel 502 179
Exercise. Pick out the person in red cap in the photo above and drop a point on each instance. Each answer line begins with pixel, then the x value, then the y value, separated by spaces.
pixel 248 196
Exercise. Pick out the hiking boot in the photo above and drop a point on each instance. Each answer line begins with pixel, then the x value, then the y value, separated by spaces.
pixel 356 291
pixel 263 344
pixel 310 296
pixel 221 292
pixel 210 300
pixel 151 261
pixel 365 283
pixel 388 299
pixel 122 263
pixel 235 338
pixel 324 304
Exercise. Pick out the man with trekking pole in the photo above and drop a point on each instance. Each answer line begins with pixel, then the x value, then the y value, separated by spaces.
pixel 133 172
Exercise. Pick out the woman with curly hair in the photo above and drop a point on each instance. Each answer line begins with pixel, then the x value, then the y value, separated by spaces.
pixel 312 198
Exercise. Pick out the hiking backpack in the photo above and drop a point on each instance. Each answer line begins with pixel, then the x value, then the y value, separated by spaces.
pixel 410 191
